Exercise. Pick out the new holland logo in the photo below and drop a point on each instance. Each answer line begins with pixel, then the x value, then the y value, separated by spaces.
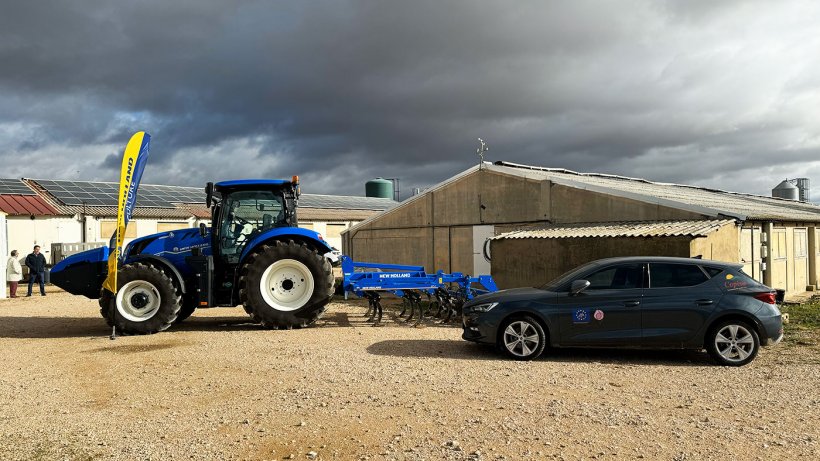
pixel 393 276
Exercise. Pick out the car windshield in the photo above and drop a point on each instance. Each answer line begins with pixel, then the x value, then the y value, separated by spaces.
pixel 567 276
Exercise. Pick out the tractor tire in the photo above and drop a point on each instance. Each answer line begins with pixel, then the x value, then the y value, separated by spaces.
pixel 285 285
pixel 147 301
pixel 188 307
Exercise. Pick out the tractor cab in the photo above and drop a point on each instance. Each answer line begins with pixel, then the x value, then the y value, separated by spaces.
pixel 242 210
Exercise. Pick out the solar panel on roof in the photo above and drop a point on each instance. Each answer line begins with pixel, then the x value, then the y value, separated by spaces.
pixel 100 193
pixel 14 186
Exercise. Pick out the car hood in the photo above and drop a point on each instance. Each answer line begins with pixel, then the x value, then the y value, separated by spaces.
pixel 511 295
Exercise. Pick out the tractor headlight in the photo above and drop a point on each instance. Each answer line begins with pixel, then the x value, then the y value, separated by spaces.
pixel 485 307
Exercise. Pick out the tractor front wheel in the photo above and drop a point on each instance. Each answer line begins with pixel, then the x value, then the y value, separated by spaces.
pixel 147 301
pixel 285 285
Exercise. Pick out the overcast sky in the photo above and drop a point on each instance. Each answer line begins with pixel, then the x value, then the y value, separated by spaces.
pixel 723 94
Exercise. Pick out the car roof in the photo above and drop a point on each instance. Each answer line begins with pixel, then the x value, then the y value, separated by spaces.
pixel 665 259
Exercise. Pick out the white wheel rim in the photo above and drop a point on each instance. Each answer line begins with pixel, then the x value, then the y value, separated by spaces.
pixel 521 338
pixel 286 285
pixel 138 300
pixel 734 343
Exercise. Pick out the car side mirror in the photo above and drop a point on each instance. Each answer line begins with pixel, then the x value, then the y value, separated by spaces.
pixel 203 229
pixel 578 286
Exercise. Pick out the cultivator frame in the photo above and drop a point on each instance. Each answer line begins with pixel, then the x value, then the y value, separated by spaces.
pixel 445 293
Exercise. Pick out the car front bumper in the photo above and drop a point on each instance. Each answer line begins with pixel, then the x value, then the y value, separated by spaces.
pixel 478 328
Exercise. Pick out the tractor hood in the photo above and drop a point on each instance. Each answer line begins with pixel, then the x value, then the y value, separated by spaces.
pixel 82 273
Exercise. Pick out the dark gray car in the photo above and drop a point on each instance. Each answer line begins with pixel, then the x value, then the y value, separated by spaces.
pixel 651 302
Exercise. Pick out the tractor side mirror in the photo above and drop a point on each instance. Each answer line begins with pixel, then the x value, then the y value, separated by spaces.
pixel 578 286
pixel 203 229
pixel 209 194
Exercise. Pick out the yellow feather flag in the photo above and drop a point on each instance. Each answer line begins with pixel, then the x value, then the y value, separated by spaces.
pixel 133 164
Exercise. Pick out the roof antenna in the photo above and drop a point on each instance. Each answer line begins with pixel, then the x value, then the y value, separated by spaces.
pixel 481 151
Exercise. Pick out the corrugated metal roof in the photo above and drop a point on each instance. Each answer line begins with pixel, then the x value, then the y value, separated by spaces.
pixel 319 214
pixel 712 202
pixel 623 229
pixel 345 202
pixel 25 205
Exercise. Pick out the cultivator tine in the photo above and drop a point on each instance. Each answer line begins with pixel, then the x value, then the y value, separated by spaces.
pixel 375 307
pixel 404 303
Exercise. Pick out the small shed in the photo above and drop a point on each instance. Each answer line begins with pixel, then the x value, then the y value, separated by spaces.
pixel 533 257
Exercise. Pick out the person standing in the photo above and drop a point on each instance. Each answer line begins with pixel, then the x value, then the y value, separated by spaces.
pixel 36 264
pixel 14 272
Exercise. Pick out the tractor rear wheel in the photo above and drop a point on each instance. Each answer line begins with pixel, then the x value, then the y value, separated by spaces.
pixel 147 301
pixel 285 285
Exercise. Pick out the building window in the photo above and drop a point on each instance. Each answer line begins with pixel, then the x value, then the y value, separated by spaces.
pixel 172 226
pixel 801 247
pixel 779 244
pixel 335 230
pixel 306 225
pixel 107 229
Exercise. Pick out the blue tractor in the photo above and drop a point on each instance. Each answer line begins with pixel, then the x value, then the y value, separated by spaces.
pixel 254 255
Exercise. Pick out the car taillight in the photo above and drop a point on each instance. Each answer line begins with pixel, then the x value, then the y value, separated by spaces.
pixel 767 298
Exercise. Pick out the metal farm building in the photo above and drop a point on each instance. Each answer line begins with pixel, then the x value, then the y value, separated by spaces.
pixel 539 222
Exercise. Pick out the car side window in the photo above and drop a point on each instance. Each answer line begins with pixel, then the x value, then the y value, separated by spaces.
pixel 663 275
pixel 622 277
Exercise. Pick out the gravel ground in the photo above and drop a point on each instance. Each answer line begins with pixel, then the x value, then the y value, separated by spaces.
pixel 217 387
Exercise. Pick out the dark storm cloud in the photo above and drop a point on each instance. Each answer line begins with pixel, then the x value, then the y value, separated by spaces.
pixel 712 93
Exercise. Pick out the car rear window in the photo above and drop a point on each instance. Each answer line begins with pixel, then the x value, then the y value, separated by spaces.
pixel 663 275
pixel 737 279
pixel 713 271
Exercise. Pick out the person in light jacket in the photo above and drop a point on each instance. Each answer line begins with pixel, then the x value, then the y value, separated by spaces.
pixel 14 273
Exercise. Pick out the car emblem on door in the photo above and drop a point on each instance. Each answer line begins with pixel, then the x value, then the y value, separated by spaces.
pixel 580 316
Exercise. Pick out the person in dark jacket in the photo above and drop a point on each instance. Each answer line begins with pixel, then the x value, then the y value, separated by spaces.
pixel 36 264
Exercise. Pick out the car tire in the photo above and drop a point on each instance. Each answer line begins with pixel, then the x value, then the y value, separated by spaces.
pixel 522 338
pixel 732 343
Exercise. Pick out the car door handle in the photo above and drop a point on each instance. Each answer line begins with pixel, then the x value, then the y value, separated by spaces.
pixel 704 302
pixel 631 303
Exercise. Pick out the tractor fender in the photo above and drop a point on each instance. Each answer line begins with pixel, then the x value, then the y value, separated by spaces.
pixel 164 264
pixel 287 233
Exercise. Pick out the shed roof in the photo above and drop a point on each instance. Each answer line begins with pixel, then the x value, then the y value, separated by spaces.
pixel 25 205
pixel 710 202
pixel 622 229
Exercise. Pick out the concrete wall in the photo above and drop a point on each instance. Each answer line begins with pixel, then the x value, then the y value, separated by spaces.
pixel 331 230
pixel 534 262
pixel 721 245
pixel 4 253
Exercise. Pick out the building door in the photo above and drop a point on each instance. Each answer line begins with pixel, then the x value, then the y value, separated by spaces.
pixel 750 252
pixel 801 260
pixel 480 235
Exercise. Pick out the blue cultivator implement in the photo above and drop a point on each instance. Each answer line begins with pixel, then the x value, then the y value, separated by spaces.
pixel 445 293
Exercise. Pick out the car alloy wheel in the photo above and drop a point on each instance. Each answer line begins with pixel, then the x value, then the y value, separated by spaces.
pixel 523 338
pixel 735 343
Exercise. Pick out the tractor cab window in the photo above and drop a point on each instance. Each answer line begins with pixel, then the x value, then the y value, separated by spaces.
pixel 245 215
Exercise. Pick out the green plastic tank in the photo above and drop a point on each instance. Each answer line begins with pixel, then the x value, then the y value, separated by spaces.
pixel 379 187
